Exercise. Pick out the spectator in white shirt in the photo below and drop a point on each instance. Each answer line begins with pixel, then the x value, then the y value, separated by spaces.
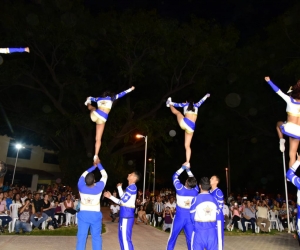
pixel 171 204
pixel 114 211
pixel 226 214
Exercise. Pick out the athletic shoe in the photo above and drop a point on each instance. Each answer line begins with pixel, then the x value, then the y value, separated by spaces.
pixel 168 102
pixel 51 227
pixel 281 145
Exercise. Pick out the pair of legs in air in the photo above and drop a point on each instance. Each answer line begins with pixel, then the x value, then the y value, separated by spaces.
pixel 100 125
pixel 294 143
pixel 187 136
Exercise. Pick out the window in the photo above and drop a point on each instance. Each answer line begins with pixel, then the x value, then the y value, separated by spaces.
pixel 50 158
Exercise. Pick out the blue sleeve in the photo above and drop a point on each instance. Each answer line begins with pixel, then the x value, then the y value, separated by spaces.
pixel 81 181
pixel 193 210
pixel 14 50
pixel 130 190
pixel 121 94
pixel 101 184
pixel 273 86
pixel 220 198
pixel 290 175
pixel 94 99
pixel 177 184
pixel 179 105
pixel 198 104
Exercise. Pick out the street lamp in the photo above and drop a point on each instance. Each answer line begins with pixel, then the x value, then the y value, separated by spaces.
pixel 226 169
pixel 146 137
pixel 153 175
pixel 18 147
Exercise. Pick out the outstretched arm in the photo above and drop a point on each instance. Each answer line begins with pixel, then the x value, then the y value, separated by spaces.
pixel 178 105
pixel 90 99
pixel 13 50
pixel 290 175
pixel 124 198
pixel 122 93
pixel 277 90
pixel 120 189
pixel 104 177
pixel 177 184
pixel 198 104
pixel 81 181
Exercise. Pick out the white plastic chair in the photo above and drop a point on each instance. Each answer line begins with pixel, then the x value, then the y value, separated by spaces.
pixel 14 209
pixel 273 218
pixel 70 218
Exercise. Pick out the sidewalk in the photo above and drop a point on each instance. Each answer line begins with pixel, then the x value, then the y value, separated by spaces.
pixel 144 238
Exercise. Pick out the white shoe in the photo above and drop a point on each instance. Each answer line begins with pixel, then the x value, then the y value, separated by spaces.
pixel 281 145
pixel 168 101
pixel 95 158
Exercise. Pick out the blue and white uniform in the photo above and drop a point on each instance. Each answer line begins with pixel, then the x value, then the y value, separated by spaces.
pixel 219 196
pixel 290 175
pixel 186 124
pixel 205 215
pixel 126 220
pixel 11 50
pixel 292 109
pixel 99 116
pixel 182 219
pixel 90 215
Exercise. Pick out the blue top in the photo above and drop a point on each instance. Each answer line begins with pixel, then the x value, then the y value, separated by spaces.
pixel 184 196
pixel 218 195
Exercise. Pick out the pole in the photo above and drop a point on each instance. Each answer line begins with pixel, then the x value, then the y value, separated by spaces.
pixel 146 137
pixel 12 182
pixel 226 169
pixel 229 169
pixel 154 177
pixel 286 194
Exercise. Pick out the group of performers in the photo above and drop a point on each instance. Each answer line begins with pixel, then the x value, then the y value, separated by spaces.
pixel 200 215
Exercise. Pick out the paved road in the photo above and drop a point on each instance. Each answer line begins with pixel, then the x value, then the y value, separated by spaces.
pixel 144 238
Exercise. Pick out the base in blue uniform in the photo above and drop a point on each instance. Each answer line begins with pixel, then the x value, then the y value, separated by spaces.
pixel 125 232
pixel 205 239
pixel 93 221
pixel 179 224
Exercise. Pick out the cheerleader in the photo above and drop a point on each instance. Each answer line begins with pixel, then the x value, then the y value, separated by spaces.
pixel 99 115
pixel 187 121
pixel 291 127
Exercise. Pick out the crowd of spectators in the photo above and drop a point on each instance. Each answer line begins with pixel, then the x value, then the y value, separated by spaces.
pixel 50 205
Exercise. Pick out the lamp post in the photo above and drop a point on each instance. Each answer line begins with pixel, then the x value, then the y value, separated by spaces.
pixel 153 175
pixel 226 169
pixel 145 163
pixel 18 147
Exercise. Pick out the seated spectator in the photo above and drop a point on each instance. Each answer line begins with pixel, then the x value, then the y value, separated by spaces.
pixel 226 215
pixel 158 211
pixel 230 198
pixel 279 199
pixel 24 217
pixel 23 197
pixel 262 216
pixel 114 211
pixel 8 198
pixel 50 211
pixel 17 199
pixel 69 205
pixel 168 219
pixel 236 216
pixel 38 212
pixel 142 216
pixel 59 212
pixel 4 213
pixel 149 205
pixel 5 187
pixel 282 215
pixel 249 216
pixel 171 204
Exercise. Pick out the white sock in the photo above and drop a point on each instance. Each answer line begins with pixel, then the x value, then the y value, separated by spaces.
pixel 96 157
pixel 168 101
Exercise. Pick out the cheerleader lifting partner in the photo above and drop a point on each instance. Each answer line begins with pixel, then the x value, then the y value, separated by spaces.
pixel 99 115
pixel 187 121
pixel 291 127
pixel 13 50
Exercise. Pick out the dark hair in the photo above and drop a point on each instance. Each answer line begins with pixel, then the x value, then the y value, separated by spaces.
pixel 27 199
pixel 89 179
pixel 191 182
pixel 204 183
pixel 295 94
pixel 138 175
pixel 15 195
pixel 107 93
pixel 191 104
